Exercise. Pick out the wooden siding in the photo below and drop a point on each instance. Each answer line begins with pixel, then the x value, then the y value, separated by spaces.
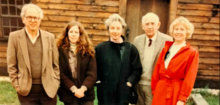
pixel 205 17
pixel 57 13
pixel 91 13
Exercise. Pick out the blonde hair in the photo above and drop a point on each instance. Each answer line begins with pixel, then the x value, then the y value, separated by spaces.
pixel 115 17
pixel 27 6
pixel 183 21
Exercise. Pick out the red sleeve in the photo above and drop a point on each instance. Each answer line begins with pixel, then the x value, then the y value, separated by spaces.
pixel 189 80
pixel 155 77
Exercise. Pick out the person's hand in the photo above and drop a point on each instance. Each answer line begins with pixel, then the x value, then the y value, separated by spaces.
pixel 98 82
pixel 129 84
pixel 17 88
pixel 79 93
pixel 180 103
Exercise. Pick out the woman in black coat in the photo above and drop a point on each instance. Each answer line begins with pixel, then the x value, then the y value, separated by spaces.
pixel 78 70
pixel 118 65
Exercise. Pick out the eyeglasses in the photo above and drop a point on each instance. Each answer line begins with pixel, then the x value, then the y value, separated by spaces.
pixel 29 18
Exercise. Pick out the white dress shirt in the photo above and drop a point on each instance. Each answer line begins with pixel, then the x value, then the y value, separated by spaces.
pixel 33 40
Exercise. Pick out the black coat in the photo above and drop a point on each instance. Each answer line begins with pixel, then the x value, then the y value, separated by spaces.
pixel 86 75
pixel 114 72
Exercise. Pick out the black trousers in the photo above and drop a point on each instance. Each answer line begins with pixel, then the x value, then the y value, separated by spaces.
pixel 37 96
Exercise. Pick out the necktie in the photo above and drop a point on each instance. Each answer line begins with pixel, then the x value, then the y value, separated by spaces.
pixel 150 42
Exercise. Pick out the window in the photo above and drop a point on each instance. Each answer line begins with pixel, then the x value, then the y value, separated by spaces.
pixel 10 16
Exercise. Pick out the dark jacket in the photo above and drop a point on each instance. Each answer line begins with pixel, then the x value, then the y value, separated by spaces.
pixel 86 75
pixel 114 71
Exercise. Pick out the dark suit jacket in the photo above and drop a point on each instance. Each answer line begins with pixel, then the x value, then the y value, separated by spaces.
pixel 86 75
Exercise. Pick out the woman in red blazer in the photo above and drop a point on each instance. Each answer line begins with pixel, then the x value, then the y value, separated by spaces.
pixel 176 69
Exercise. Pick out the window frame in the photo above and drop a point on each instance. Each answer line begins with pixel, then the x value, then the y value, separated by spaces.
pixel 2 37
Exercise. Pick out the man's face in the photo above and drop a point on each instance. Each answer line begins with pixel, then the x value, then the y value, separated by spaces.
pixel 150 26
pixel 31 19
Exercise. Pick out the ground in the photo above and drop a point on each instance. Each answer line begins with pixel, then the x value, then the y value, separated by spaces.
pixel 8 95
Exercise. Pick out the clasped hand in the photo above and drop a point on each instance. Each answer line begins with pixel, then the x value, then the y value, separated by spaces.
pixel 79 93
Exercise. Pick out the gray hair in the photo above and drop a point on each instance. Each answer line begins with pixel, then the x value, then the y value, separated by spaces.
pixel 184 21
pixel 115 17
pixel 27 6
pixel 150 14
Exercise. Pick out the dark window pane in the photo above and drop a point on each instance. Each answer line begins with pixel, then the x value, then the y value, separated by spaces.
pixel 4 10
pixel 18 11
pixel 19 2
pixel 12 10
pixel 4 1
pixel 11 1
pixel 13 29
pixel 20 23
pixel 13 21
pixel 5 21
pixel 6 31
pixel 27 1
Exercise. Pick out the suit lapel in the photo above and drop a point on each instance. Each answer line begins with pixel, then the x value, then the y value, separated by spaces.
pixel 142 46
pixel 24 49
pixel 158 43
pixel 45 46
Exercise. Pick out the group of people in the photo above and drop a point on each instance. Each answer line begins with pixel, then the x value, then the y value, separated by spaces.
pixel 157 69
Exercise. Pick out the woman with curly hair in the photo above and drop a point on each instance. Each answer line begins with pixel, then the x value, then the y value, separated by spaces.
pixel 77 66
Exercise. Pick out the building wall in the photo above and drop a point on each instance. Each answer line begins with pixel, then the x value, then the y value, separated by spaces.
pixel 91 13
pixel 204 14
pixel 57 13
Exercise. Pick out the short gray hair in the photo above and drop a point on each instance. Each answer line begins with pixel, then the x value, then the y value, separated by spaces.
pixel 26 6
pixel 115 17
pixel 183 21
pixel 150 14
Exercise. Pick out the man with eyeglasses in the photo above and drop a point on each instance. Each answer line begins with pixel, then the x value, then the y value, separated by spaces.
pixel 32 59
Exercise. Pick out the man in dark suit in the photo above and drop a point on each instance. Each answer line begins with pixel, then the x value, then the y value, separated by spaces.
pixel 32 59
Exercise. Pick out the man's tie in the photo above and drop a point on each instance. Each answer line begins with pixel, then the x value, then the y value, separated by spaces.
pixel 150 42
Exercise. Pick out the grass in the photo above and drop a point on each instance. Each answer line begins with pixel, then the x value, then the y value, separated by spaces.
pixel 211 99
pixel 8 95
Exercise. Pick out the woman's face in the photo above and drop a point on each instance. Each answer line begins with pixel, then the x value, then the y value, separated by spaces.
pixel 73 34
pixel 115 30
pixel 179 33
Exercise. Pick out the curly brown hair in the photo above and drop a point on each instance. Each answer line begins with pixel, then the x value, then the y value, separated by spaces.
pixel 84 44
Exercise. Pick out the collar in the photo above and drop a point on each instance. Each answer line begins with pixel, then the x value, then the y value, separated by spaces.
pixel 72 47
pixel 123 38
pixel 168 44
pixel 29 35
pixel 153 38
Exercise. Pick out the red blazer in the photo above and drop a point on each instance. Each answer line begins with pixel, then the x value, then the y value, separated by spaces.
pixel 176 82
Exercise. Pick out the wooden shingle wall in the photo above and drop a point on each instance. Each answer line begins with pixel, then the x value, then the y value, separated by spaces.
pixel 204 14
pixel 91 13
